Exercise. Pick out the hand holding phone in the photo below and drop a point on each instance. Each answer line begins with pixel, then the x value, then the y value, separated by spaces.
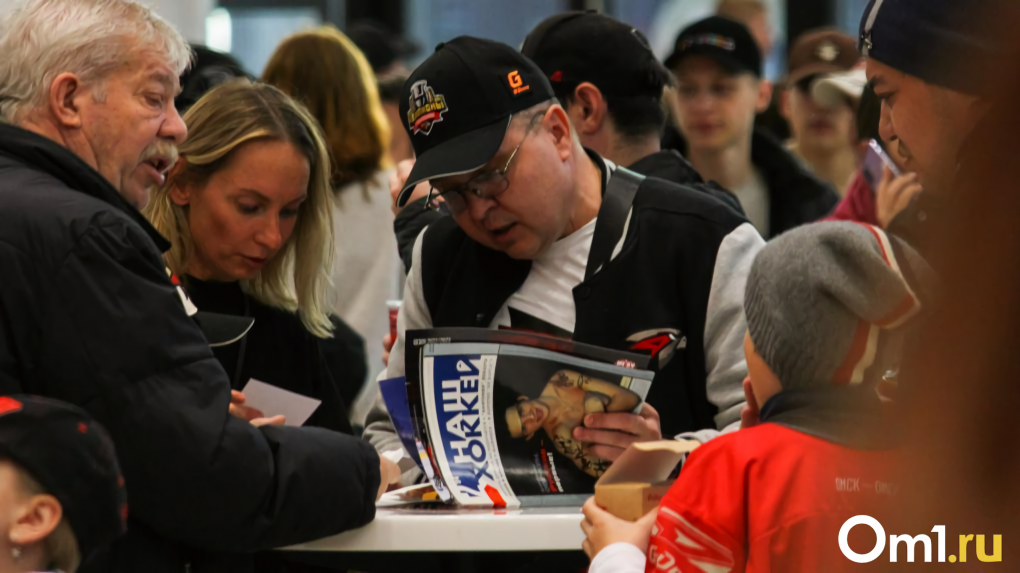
pixel 894 194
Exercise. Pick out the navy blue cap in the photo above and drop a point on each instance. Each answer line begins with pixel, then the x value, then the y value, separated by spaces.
pixel 949 43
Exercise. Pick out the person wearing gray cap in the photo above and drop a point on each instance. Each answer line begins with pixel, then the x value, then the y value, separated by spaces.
pixel 827 306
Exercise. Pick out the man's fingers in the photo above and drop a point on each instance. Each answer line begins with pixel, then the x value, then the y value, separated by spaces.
pixel 605 437
pixel 236 397
pixel 590 509
pixel 608 453
pixel 648 412
pixel 622 421
pixel 586 527
pixel 586 545
pixel 908 194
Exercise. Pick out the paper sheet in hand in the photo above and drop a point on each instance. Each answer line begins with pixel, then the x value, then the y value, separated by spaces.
pixel 273 401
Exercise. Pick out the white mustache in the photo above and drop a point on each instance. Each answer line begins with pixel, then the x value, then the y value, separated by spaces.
pixel 161 148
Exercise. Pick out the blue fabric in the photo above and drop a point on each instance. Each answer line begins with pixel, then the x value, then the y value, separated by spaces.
pixel 949 43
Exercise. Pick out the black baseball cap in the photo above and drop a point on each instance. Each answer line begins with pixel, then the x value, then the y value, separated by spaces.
pixel 726 41
pixel 576 47
pixel 73 459
pixel 458 104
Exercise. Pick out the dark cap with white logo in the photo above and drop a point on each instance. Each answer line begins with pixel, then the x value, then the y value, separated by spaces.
pixel 950 43
pixel 725 41
pixel 458 103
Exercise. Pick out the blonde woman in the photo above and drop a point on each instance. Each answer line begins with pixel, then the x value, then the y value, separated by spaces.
pixel 325 70
pixel 248 211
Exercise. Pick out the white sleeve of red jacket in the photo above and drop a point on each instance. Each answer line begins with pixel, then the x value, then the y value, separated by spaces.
pixel 618 558
pixel 701 523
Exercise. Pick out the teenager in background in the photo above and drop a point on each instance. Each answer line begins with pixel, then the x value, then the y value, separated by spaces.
pixel 823 136
pixel 720 88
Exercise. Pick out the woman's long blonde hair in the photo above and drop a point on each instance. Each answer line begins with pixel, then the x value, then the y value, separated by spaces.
pixel 323 69
pixel 227 117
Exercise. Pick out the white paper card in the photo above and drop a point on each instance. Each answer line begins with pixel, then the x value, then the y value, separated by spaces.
pixel 273 401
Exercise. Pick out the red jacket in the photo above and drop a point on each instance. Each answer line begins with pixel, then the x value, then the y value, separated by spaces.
pixel 858 205
pixel 769 498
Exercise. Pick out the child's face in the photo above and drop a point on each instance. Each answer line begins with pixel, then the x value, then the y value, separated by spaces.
pixel 764 381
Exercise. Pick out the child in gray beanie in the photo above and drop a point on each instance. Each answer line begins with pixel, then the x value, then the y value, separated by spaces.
pixel 826 307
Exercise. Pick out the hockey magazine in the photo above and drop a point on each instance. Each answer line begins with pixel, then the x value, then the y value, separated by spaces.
pixel 497 410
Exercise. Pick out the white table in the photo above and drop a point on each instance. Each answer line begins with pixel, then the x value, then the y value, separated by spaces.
pixel 456 529
pixel 456 539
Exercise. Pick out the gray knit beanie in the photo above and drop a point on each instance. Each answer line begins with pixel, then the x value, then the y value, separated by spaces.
pixel 825 303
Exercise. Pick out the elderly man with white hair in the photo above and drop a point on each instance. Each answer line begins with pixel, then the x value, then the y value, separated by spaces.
pixel 88 314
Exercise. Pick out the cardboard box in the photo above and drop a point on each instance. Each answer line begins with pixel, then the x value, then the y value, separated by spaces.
pixel 637 480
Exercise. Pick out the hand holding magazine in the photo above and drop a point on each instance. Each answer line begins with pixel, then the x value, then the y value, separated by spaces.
pixel 498 410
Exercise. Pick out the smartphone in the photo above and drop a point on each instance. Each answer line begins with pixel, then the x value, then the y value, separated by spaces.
pixel 874 160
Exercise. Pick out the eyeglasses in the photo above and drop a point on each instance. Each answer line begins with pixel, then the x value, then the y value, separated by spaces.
pixel 488 185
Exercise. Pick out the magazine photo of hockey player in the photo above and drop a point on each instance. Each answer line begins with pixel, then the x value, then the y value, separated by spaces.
pixel 564 402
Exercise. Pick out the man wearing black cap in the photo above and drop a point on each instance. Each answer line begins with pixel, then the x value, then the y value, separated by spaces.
pixel 61 492
pixel 547 236
pixel 606 77
pixel 931 62
pixel 720 89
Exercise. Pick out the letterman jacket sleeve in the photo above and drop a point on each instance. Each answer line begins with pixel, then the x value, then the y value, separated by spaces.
pixel 414 314
pixel 725 326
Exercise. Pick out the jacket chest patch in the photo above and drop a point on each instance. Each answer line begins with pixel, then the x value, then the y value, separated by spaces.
pixel 659 343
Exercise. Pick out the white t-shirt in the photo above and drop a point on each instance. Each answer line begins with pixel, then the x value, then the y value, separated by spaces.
pixel 754 198
pixel 547 295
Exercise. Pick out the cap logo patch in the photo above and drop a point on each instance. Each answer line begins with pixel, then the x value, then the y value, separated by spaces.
pixel 8 405
pixel 426 108
pixel 827 51
pixel 556 77
pixel 517 85
pixel 715 40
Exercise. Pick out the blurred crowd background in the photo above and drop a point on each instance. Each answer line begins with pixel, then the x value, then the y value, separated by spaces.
pixel 251 29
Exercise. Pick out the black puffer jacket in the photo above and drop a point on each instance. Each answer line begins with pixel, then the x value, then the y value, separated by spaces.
pixel 88 316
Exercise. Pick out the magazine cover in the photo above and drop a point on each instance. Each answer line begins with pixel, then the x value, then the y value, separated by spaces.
pixel 394 392
pixel 500 410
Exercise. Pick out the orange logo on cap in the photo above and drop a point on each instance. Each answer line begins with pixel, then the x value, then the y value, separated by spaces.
pixel 517 83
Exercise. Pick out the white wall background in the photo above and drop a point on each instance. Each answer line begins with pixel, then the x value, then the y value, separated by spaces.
pixel 187 15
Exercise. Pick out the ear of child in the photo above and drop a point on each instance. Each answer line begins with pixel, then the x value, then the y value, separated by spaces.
pixel 37 518
pixel 603 529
